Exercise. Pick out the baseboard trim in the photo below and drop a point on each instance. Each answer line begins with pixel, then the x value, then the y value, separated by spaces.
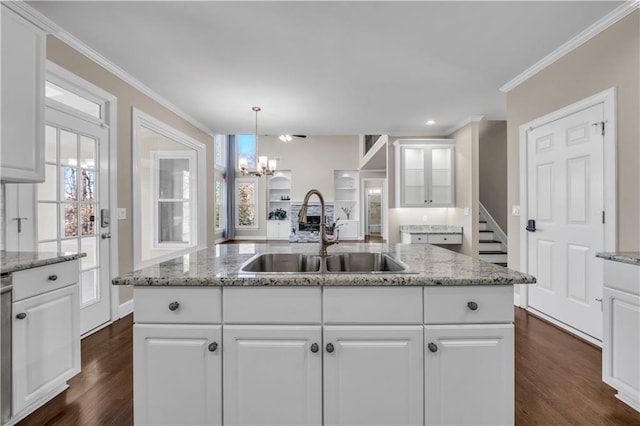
pixel 566 328
pixel 250 238
pixel 125 308
pixel 220 240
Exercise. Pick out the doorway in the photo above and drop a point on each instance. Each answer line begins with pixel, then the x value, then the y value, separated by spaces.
pixel 373 209
pixel 568 192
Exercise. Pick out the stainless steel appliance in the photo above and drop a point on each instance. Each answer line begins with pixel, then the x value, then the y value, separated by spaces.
pixel 5 348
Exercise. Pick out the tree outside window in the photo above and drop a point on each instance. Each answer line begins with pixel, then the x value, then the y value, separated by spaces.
pixel 246 203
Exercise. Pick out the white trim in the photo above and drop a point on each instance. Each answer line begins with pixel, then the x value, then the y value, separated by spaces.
pixel 493 225
pixel 461 124
pixel 596 28
pixel 566 327
pixel 249 237
pixel 125 308
pixel 380 144
pixel 40 20
pixel 223 205
pixel 220 240
pixel 516 298
pixel 142 119
pixel 608 99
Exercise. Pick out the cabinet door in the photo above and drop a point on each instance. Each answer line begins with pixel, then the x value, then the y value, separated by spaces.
pixel 272 376
pixel 177 378
pixel 373 375
pixel 23 81
pixel 413 189
pixel 621 342
pixel 46 344
pixel 469 376
pixel 440 176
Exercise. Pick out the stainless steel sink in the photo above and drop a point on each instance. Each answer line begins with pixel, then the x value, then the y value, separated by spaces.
pixel 363 263
pixel 342 263
pixel 283 262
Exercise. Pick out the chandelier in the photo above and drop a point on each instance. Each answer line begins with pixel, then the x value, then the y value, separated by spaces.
pixel 264 166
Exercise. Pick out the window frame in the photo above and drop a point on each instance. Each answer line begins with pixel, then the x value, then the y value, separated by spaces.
pixel 222 166
pixel 251 160
pixel 221 203
pixel 256 204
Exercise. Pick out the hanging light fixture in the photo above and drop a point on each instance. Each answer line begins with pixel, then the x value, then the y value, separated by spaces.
pixel 264 166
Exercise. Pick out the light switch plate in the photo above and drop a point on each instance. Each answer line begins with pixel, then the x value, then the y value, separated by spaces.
pixel 515 210
pixel 122 213
pixel 467 211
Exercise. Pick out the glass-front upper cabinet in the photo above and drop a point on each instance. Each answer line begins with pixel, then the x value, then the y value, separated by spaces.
pixel 425 173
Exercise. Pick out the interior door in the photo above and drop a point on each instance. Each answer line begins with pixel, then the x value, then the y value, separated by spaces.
pixel 69 205
pixel 565 164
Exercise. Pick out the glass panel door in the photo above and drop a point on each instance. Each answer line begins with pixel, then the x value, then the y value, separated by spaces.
pixel 413 184
pixel 441 176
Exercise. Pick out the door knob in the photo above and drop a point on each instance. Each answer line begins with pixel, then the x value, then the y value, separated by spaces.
pixel 531 225
pixel 105 235
pixel 21 315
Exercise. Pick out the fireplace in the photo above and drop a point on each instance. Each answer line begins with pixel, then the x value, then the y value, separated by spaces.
pixel 312 225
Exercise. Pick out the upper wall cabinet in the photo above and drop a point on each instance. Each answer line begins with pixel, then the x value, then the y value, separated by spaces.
pixel 425 173
pixel 23 82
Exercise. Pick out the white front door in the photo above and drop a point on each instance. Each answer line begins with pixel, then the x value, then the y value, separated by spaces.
pixel 565 196
pixel 69 205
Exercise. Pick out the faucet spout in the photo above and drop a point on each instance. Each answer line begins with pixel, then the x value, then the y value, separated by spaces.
pixel 302 218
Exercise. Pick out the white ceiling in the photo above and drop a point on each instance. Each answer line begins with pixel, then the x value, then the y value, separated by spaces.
pixel 327 68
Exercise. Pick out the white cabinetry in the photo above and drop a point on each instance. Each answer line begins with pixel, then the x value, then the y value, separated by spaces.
pixel 621 338
pixel 45 334
pixel 346 184
pixel 273 375
pixel 23 83
pixel 373 375
pixel 425 173
pixel 439 239
pixel 177 339
pixel 279 198
pixel 178 374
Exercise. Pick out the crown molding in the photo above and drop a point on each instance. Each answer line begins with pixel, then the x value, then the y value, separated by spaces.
pixel 460 125
pixel 46 24
pixel 596 28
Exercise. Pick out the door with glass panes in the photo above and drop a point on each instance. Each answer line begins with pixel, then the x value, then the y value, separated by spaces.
pixel 70 203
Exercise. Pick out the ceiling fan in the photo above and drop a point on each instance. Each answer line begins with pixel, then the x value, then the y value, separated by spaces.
pixel 289 138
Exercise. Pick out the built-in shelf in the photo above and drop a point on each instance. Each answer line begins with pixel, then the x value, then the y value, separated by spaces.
pixel 345 186
pixel 278 186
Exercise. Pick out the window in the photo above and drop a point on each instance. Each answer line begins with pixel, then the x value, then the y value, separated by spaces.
pixel 168 185
pixel 174 193
pixel 247 203
pixel 219 208
pixel 77 102
pixel 219 151
pixel 248 149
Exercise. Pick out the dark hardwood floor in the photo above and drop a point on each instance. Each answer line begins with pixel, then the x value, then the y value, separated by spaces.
pixel 558 381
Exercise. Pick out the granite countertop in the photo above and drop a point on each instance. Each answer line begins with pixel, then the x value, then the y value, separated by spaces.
pixel 220 265
pixel 630 257
pixel 13 261
pixel 431 229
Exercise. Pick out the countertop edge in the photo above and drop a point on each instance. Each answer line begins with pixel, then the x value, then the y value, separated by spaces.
pixel 631 258
pixel 40 262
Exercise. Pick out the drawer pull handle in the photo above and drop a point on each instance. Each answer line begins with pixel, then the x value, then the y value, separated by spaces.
pixel 330 347
pixel 472 305
pixel 315 348
pixel 174 306
pixel 21 315
pixel 53 277
pixel 213 346
pixel 432 347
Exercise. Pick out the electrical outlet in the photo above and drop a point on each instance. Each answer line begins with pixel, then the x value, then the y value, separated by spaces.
pixel 467 211
pixel 122 213
pixel 515 210
pixel 425 218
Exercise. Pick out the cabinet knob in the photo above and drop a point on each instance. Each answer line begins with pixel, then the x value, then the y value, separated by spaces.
pixel 432 347
pixel 330 347
pixel 213 346
pixel 314 348
pixel 21 315
pixel 173 306
pixel 53 277
pixel 472 305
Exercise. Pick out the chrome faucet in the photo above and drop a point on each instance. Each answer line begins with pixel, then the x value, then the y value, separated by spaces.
pixel 302 218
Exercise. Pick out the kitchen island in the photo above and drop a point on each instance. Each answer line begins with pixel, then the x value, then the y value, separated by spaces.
pixel 215 345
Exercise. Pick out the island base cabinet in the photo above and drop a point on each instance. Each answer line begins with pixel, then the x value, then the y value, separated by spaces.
pixel 373 375
pixel 272 375
pixel 469 377
pixel 178 371
pixel 46 344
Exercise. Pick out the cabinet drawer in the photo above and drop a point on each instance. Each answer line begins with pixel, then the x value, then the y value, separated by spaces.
pixel 272 305
pixel 419 239
pixel 373 305
pixel 180 305
pixel 445 239
pixel 622 276
pixel 454 304
pixel 34 281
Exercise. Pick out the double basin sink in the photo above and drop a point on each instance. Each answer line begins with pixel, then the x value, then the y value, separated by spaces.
pixel 341 263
